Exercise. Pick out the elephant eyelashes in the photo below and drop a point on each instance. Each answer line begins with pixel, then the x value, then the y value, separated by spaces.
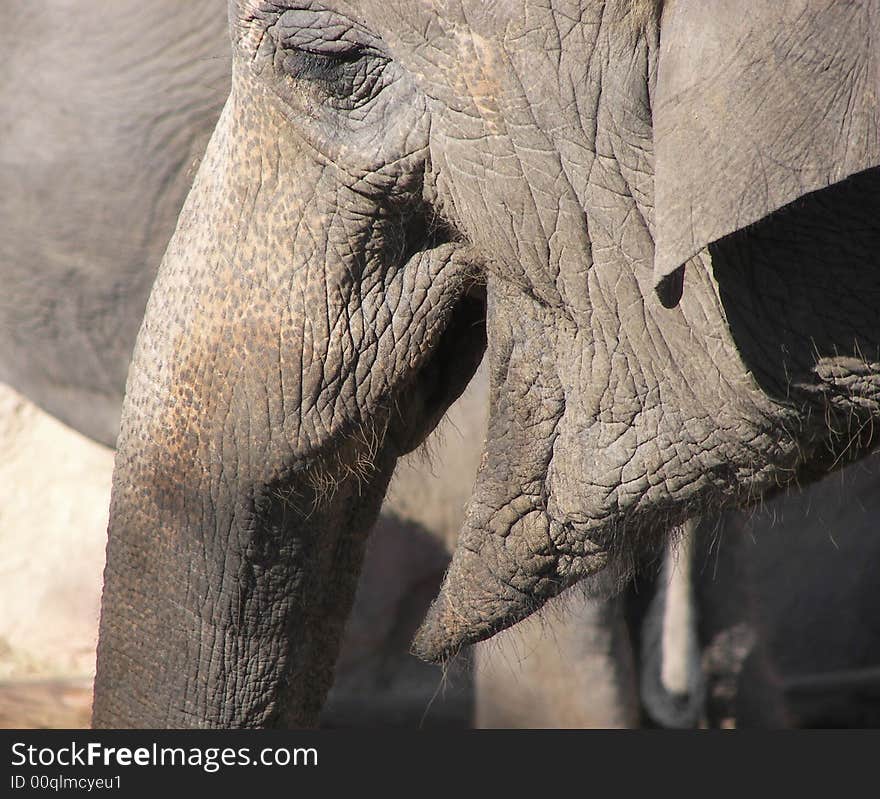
pixel 333 54
pixel 351 79
pixel 331 70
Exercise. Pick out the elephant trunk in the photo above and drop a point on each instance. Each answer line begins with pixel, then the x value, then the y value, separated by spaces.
pixel 297 340
pixel 242 495
pixel 231 618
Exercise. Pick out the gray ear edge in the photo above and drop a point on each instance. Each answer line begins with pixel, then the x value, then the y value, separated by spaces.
pixel 669 264
pixel 746 129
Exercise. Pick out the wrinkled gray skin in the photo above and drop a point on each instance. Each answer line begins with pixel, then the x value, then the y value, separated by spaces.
pixel 374 165
pixel 99 133
pixel 103 144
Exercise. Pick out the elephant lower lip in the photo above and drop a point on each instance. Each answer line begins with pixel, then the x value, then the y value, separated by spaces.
pixel 438 641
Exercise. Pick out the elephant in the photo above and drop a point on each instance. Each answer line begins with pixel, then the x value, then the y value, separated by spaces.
pixel 393 188
pixel 122 144
pixel 814 613
pixel 664 244
pixel 786 610
pixel 79 262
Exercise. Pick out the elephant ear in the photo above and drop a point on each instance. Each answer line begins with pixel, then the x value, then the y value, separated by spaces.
pixel 757 103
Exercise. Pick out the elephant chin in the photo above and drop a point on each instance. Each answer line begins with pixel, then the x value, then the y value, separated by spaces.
pixel 480 597
pixel 453 621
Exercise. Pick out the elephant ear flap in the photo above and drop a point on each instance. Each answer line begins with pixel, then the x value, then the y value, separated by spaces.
pixel 757 103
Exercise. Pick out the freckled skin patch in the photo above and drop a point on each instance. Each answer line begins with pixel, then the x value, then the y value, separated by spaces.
pixel 478 79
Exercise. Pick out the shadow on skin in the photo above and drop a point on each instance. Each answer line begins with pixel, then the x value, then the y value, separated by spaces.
pixel 801 290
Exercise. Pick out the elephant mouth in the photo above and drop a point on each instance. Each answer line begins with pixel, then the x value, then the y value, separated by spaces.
pixel 445 373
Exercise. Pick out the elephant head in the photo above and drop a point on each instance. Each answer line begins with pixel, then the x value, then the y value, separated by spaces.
pixel 661 218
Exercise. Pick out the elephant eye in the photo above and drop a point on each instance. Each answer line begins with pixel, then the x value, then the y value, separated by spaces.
pixel 338 73
pixel 337 56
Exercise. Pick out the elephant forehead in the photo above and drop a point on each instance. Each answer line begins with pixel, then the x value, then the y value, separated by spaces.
pixel 403 14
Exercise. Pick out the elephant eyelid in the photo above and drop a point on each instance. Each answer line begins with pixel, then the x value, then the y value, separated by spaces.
pixel 337 72
pixel 324 34
pixel 338 57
